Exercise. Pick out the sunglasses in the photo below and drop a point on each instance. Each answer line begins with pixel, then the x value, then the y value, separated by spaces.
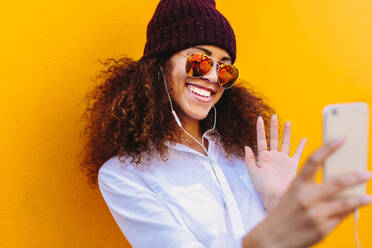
pixel 198 65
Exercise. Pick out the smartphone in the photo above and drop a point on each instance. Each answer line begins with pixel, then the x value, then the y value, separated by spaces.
pixel 350 120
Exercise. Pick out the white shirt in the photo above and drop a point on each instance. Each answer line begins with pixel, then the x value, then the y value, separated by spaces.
pixel 189 201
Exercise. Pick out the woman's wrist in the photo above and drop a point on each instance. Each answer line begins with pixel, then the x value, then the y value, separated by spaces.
pixel 256 240
pixel 251 240
pixel 264 235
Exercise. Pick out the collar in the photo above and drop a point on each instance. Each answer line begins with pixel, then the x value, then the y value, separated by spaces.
pixel 213 141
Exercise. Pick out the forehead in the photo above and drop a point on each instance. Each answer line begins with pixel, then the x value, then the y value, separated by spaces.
pixel 213 51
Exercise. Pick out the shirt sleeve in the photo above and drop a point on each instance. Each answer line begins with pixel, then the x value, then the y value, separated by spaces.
pixel 145 219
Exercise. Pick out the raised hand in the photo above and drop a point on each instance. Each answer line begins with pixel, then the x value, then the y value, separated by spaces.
pixel 272 171
pixel 308 211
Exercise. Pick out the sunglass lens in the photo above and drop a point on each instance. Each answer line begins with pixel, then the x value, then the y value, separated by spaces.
pixel 198 65
pixel 227 75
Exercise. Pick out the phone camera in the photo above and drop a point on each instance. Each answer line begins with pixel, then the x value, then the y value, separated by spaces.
pixel 334 111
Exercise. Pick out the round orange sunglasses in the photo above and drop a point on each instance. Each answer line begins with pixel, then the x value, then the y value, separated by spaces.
pixel 198 65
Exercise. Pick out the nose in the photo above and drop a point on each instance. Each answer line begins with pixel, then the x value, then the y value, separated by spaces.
pixel 212 75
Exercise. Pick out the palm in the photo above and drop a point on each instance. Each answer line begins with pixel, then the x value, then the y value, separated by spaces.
pixel 273 170
pixel 276 167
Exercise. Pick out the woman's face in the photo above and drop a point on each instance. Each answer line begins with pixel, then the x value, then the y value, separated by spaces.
pixel 190 93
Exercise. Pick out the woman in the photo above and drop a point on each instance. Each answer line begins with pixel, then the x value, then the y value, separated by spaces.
pixel 181 151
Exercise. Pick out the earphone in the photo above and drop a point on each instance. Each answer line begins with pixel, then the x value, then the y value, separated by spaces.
pixel 178 120
pixel 356 236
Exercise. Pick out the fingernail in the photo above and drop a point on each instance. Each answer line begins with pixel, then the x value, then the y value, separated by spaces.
pixel 366 199
pixel 365 175
pixel 338 140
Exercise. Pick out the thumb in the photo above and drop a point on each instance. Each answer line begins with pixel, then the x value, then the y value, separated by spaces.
pixel 249 158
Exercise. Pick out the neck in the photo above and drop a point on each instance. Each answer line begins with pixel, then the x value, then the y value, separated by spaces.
pixel 192 126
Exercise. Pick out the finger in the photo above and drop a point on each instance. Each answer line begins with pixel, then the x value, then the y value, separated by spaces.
pixel 317 158
pixel 334 221
pixel 274 133
pixel 300 149
pixel 335 185
pixel 286 143
pixel 331 222
pixel 261 136
pixel 341 216
pixel 345 205
pixel 249 158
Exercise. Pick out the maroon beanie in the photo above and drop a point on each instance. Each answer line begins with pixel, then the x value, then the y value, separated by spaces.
pixel 180 24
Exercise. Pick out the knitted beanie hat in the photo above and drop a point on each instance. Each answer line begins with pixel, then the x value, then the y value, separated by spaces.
pixel 180 24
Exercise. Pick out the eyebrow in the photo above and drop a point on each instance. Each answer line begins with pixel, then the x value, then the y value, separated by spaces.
pixel 209 53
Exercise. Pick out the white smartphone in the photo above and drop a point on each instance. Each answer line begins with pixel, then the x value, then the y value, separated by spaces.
pixel 350 120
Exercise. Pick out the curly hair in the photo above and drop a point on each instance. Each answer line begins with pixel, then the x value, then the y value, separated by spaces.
pixel 128 113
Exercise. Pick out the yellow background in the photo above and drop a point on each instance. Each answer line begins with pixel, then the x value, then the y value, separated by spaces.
pixel 300 54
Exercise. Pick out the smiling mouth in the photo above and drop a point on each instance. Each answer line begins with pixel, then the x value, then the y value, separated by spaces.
pixel 200 90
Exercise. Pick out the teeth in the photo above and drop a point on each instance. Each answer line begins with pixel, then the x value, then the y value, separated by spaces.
pixel 199 91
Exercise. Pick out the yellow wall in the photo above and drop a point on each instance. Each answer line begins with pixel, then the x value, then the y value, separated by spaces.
pixel 301 54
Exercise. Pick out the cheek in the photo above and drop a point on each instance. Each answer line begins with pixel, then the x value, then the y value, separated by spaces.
pixel 179 78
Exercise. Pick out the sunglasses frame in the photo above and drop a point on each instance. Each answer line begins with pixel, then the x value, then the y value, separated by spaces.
pixel 217 68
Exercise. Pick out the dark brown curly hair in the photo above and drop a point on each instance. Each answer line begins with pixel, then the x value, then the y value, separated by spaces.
pixel 128 113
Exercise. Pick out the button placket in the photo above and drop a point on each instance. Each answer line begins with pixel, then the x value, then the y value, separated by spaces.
pixel 230 205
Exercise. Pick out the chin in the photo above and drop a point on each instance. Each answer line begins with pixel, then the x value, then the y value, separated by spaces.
pixel 199 115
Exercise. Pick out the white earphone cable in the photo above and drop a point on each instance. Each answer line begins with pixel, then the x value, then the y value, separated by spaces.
pixel 356 217
pixel 178 120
